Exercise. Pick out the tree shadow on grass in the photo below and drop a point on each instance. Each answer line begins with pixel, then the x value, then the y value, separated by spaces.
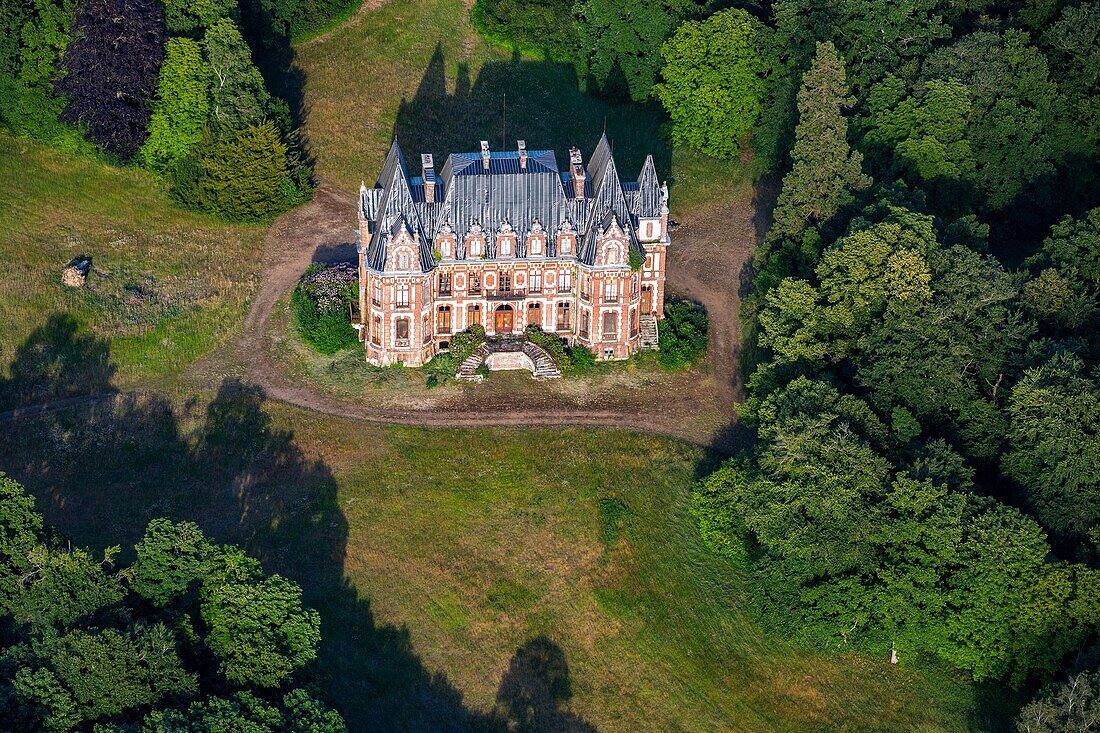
pixel 537 101
pixel 101 470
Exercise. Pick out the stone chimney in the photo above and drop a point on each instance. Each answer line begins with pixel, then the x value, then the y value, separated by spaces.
pixel 577 171
pixel 522 145
pixel 485 155
pixel 428 166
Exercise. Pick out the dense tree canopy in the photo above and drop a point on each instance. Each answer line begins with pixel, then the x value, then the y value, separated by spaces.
pixel 825 170
pixel 88 645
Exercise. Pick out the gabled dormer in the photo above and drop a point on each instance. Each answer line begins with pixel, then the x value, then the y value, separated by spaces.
pixel 476 245
pixel 537 242
pixel 446 243
pixel 403 250
pixel 566 240
pixel 506 241
pixel 612 243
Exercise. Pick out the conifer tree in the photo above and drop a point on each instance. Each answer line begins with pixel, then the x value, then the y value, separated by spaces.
pixel 825 169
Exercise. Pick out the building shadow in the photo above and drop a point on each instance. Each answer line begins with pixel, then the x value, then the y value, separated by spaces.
pixel 538 101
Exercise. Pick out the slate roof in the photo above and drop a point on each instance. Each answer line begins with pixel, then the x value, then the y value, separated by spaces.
pixel 467 194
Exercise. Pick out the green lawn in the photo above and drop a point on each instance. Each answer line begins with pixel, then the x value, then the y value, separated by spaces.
pixel 443 560
pixel 168 285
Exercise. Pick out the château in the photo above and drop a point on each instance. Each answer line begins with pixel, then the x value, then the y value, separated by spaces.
pixel 506 239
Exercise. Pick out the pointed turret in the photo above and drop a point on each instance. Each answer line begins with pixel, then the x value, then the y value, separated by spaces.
pixel 648 204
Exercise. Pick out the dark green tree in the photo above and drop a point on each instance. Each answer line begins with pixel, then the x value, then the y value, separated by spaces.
pixel 825 170
pixel 619 39
pixel 1013 125
pixel 259 630
pixel 1054 445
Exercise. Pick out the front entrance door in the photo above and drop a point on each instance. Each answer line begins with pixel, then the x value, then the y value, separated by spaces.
pixel 647 300
pixel 503 323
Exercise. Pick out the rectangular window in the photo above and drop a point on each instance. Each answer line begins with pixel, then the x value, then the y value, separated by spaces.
pixel 445 283
pixel 376 332
pixel 585 283
pixel 565 282
pixel 611 291
pixel 505 282
pixel 402 332
pixel 403 296
pixel 426 327
pixel 376 293
pixel 610 325
pixel 536 282
pixel 565 319
pixel 584 324
pixel 475 284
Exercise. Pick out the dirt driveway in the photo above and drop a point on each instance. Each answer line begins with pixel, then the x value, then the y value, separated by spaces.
pixel 706 261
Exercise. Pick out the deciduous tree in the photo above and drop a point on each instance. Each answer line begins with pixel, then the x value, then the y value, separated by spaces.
pixel 714 82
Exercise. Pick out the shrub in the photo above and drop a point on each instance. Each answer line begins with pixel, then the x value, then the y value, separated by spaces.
pixel 682 335
pixel 582 359
pixel 320 303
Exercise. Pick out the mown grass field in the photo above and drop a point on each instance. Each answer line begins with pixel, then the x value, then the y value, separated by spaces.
pixel 167 285
pixel 440 558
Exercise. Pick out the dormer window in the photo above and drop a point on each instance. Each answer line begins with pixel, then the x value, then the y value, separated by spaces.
pixel 473 248
pixel 504 249
pixel 445 250
pixel 402 261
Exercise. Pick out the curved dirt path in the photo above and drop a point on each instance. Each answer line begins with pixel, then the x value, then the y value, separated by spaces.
pixel 707 257
pixel 708 254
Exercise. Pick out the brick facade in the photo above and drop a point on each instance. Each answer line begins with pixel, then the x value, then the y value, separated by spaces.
pixel 430 265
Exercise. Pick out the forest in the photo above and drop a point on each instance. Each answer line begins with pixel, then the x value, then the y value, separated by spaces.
pixel 921 342
pixel 199 93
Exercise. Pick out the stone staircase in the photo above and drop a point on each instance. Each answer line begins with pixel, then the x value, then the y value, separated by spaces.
pixel 648 326
pixel 468 368
pixel 545 368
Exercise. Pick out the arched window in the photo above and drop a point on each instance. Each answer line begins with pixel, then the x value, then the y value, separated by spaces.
pixel 443 320
pixel 401 332
pixel 613 254
pixel 473 315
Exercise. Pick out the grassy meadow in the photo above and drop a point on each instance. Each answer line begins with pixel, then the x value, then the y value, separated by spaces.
pixel 167 285
pixel 447 563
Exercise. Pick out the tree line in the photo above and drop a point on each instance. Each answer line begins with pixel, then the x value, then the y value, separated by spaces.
pixel 170 86
pixel 922 340
pixel 190 636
